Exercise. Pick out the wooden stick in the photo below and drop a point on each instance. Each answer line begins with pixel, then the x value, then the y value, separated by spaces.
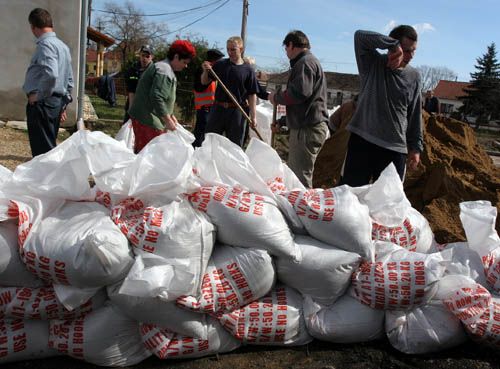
pixel 236 103
pixel 274 124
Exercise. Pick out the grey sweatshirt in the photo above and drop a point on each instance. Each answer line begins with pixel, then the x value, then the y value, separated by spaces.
pixel 305 95
pixel 389 111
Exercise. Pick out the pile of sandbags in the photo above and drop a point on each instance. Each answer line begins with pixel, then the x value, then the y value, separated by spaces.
pixel 182 253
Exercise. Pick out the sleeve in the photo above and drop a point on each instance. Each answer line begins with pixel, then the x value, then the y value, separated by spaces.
pixel 197 85
pixel 299 87
pixel 366 44
pixel 252 85
pixel 414 137
pixel 335 118
pixel 49 71
pixel 162 94
pixel 71 81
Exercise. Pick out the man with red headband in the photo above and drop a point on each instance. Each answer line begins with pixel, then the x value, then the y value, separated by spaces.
pixel 152 110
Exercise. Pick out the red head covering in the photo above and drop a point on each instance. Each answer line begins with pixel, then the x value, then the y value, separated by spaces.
pixel 183 48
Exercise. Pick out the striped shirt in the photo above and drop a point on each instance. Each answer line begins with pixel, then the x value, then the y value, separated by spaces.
pixel 50 69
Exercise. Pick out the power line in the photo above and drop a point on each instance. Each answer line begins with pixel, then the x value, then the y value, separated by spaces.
pixel 160 14
pixel 195 21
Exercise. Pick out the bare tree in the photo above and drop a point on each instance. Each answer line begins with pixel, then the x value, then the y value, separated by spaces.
pixel 129 27
pixel 432 75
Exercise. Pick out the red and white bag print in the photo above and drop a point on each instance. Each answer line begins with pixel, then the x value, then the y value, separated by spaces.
pixel 398 279
pixel 235 276
pixel 246 219
pixel 275 319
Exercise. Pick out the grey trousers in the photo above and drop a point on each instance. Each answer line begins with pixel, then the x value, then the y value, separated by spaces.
pixel 304 146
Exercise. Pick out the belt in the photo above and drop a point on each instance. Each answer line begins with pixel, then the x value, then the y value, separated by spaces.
pixel 56 94
pixel 225 104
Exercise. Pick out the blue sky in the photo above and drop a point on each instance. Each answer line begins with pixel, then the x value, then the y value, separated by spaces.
pixel 452 33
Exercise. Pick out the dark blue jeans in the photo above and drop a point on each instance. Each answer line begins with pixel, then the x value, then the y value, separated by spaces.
pixel 43 118
pixel 230 120
pixel 365 161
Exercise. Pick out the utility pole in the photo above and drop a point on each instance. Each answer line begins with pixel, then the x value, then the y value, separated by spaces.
pixel 244 22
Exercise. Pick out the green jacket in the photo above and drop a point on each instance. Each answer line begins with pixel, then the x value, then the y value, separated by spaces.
pixel 155 95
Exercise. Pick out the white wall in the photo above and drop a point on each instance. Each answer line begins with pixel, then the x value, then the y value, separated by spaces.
pixel 17 47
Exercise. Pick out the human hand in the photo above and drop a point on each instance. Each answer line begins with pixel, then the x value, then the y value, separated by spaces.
pixel 169 122
pixel 32 98
pixel 64 116
pixel 275 128
pixel 413 160
pixel 253 122
pixel 270 97
pixel 395 58
pixel 206 65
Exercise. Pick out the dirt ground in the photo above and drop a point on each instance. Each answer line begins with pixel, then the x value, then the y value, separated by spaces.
pixel 14 149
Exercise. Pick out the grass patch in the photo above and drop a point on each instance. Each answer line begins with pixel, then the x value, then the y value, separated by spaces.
pixel 107 112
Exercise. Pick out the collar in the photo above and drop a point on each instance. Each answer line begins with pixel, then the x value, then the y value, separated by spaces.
pixel 296 59
pixel 45 35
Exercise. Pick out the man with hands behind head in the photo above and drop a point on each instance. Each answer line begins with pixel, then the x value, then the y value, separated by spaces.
pixel 387 124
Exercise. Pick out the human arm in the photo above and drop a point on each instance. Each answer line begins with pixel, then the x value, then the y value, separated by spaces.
pixel 366 44
pixel 49 70
pixel 131 96
pixel 300 86
pixel 335 119
pixel 252 103
pixel 414 136
pixel 162 96
pixel 205 78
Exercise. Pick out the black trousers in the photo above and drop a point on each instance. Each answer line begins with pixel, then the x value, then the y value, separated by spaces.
pixel 43 119
pixel 365 161
pixel 231 121
pixel 202 115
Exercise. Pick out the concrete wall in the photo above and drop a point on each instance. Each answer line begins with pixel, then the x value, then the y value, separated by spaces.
pixel 17 47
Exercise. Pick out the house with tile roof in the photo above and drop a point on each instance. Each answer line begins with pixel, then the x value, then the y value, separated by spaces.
pixel 449 94
pixel 340 86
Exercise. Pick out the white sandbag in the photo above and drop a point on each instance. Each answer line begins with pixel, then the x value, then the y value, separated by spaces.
pixel 479 219
pixel 126 135
pixel 13 272
pixel 398 279
pixel 105 337
pixel 346 321
pixel 324 273
pixel 169 345
pixel 473 304
pixel 275 319
pixel 234 277
pixel 24 340
pixel 424 329
pixel 263 121
pixel 173 231
pixel 464 261
pixel 413 234
pixel 164 314
pixel 41 304
pixel 336 217
pixel 78 245
pixel 163 169
pixel 246 219
pixel 5 176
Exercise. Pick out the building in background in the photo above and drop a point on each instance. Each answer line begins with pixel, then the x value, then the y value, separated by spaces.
pixel 449 94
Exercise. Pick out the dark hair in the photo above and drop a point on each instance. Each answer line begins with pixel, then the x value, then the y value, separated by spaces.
pixel 404 31
pixel 40 18
pixel 183 48
pixel 297 38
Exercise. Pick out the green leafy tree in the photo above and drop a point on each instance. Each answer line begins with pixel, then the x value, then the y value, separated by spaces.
pixel 483 96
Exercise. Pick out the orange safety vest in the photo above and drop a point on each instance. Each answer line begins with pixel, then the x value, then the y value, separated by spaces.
pixel 207 97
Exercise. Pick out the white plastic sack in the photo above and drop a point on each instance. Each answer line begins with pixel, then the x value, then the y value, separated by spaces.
pixel 24 340
pixel 105 337
pixel 424 329
pixel 126 135
pixel 169 345
pixel 246 219
pixel 235 277
pixel 41 304
pixel 5 176
pixel 324 273
pixel 465 261
pixel 478 219
pixel 336 217
pixel 263 120
pixel 346 321
pixel 413 234
pixel 173 231
pixel 275 319
pixel 164 314
pixel 78 245
pixel 398 279
pixel 13 272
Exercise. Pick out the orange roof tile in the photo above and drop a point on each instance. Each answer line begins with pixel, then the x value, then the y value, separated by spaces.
pixel 450 90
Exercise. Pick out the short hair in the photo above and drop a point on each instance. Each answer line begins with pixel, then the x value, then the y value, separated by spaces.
pixel 40 18
pixel 404 31
pixel 297 38
pixel 236 40
pixel 183 48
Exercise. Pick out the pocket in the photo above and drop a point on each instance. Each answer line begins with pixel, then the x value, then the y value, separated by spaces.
pixel 315 137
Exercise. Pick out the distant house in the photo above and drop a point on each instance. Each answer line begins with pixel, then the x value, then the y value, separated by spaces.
pixel 111 62
pixel 96 59
pixel 449 93
pixel 340 86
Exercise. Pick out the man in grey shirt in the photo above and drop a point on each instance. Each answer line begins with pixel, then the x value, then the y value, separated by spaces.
pixel 48 84
pixel 387 125
pixel 305 100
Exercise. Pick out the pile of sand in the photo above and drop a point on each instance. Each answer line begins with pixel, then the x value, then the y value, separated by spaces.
pixel 454 168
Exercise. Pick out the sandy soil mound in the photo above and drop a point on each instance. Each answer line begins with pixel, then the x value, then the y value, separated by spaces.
pixel 454 168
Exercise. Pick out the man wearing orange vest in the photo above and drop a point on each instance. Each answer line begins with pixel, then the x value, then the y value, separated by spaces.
pixel 204 97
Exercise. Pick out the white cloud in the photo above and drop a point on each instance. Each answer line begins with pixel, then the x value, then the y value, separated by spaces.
pixel 424 27
pixel 389 26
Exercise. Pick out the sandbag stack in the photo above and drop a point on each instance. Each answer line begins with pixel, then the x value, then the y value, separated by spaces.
pixel 183 253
